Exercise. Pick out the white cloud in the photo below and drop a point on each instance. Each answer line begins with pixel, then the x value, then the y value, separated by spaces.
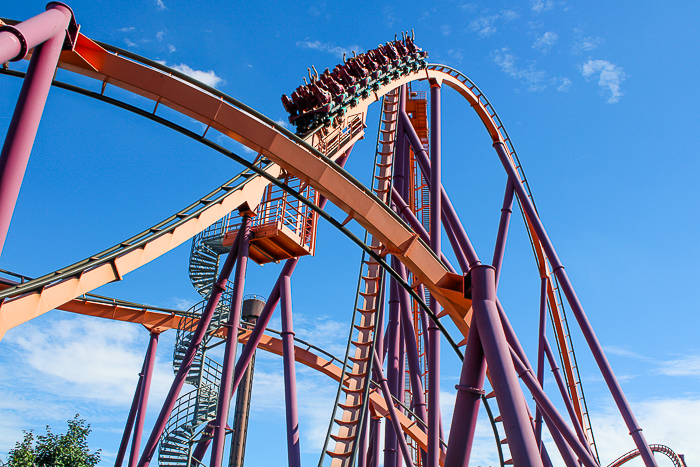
pixel 171 48
pixel 389 16
pixel 130 43
pixel 456 54
pixel 585 44
pixel 445 29
pixel 331 48
pixel 484 25
pixel 468 6
pixel 538 6
pixel 127 29
pixel 545 41
pixel 565 85
pixel 87 358
pixel 609 79
pixel 159 35
pixel 160 5
pixel 536 80
pixel 673 422
pixel 688 366
pixel 207 77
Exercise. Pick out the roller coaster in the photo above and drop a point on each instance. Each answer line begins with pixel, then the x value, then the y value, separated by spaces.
pixel 389 377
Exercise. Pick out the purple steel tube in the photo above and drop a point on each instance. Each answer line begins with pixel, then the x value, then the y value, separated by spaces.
pixel 290 380
pixel 17 40
pixel 393 413
pixel 225 392
pixel 409 334
pixel 577 309
pixel 564 449
pixel 503 225
pixel 392 369
pixel 32 99
pixel 265 316
pixel 217 290
pixel 540 356
pixel 466 411
pixel 143 397
pixel 130 419
pixel 511 401
pixel 565 395
pixel 363 442
pixel 551 412
pixel 415 224
pixel 434 422
pixel 448 211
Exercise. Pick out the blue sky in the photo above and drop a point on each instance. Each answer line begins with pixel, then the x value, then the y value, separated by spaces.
pixel 599 99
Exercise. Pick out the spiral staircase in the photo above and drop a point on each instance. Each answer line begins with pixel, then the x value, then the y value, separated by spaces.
pixel 195 409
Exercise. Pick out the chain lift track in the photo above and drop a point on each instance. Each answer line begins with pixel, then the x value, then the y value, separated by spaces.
pixel 305 169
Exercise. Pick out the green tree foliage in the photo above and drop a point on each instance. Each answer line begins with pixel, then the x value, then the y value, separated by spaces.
pixel 51 450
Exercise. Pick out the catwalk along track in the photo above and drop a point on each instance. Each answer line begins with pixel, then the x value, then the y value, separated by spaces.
pixel 389 377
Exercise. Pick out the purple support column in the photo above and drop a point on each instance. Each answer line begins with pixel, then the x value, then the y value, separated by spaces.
pixel 217 290
pixel 433 457
pixel 17 40
pixel 466 411
pixel 363 442
pixel 225 392
pixel 577 309
pixel 551 412
pixel 511 401
pixel 411 347
pixel 143 397
pixel 393 413
pixel 540 356
pixel 565 450
pixel 565 395
pixel 448 212
pixel 392 370
pixel 500 249
pixel 265 316
pixel 290 380
pixel 130 419
pixel 50 27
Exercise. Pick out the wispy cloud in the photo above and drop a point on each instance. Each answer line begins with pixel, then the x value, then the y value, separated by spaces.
pixel 545 41
pixel 445 29
pixel 536 80
pixel 565 85
pixel 584 44
pixel 127 29
pixel 485 25
pixel 688 366
pixel 171 48
pixel 329 47
pixel 207 77
pixel 538 6
pixel 160 35
pixel 160 5
pixel 610 77
pixel 389 16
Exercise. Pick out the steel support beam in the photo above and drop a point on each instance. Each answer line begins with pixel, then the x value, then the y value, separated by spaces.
pixel 576 307
pixel 45 33
pixel 290 379
pixel 143 397
pixel 225 392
